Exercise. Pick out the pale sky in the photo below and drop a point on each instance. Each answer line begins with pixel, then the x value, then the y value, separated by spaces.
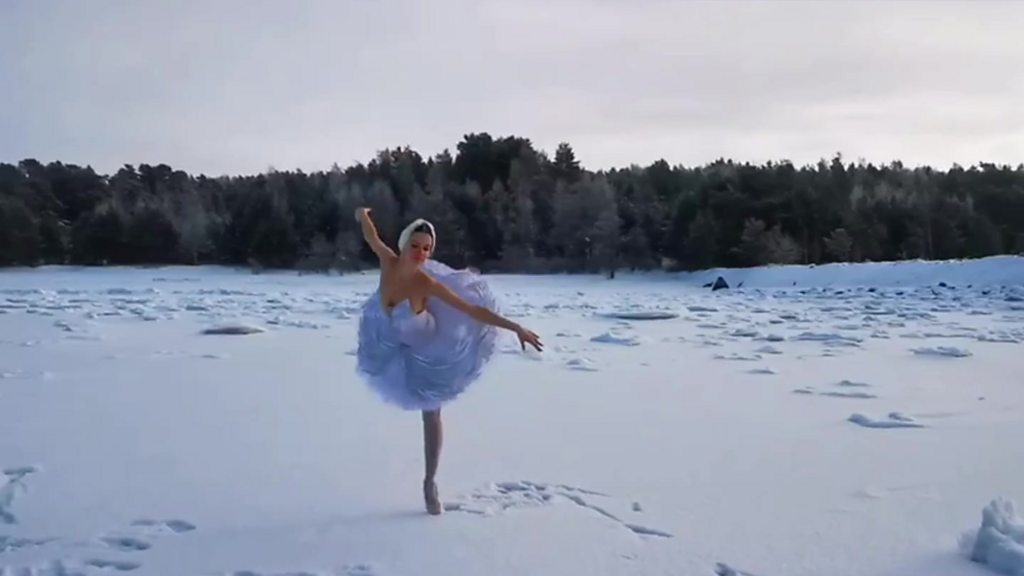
pixel 234 87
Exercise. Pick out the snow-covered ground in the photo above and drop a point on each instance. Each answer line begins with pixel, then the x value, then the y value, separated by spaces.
pixel 836 420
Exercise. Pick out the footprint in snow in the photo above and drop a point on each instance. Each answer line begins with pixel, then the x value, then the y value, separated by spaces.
pixel 138 537
pixel 164 526
pixel 844 390
pixel 710 326
pixel 726 570
pixel 126 543
pixel 893 420
pixel 739 357
pixel 502 497
pixel 581 364
pixel 841 394
pixel 9 491
pixel 923 491
pixel 514 349
pixel 119 565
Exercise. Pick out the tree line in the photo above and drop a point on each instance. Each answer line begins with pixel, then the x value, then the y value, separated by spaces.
pixel 500 204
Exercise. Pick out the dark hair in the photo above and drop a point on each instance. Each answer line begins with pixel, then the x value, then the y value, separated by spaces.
pixel 424 228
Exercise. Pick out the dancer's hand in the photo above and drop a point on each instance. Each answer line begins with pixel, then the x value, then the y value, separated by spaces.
pixel 360 213
pixel 528 337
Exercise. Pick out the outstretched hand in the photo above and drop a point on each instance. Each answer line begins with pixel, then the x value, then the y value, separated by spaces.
pixel 360 213
pixel 528 337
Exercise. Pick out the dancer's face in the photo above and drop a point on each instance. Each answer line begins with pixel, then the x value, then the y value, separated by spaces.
pixel 419 248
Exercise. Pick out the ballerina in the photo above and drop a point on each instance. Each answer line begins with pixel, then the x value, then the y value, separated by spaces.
pixel 426 333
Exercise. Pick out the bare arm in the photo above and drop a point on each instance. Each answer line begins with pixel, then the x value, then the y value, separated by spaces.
pixel 481 313
pixel 372 238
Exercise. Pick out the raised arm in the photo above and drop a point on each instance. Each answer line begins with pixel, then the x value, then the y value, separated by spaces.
pixel 372 238
pixel 482 314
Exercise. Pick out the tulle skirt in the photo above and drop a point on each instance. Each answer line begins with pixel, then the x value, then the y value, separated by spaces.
pixel 423 361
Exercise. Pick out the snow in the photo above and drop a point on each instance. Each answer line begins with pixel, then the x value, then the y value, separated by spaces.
pixel 999 542
pixel 995 270
pixel 206 420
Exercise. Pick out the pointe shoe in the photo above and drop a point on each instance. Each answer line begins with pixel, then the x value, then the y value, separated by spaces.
pixel 430 496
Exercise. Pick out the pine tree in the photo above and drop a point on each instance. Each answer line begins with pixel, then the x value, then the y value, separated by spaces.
pixel 605 233
pixel 518 232
pixel 839 245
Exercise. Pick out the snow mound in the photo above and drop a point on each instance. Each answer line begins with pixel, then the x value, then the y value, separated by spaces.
pixel 943 351
pixel 617 338
pixel 999 543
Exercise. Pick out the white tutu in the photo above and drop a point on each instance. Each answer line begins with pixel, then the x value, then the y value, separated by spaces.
pixel 422 361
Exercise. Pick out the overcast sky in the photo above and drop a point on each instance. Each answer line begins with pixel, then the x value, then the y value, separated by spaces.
pixel 217 86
